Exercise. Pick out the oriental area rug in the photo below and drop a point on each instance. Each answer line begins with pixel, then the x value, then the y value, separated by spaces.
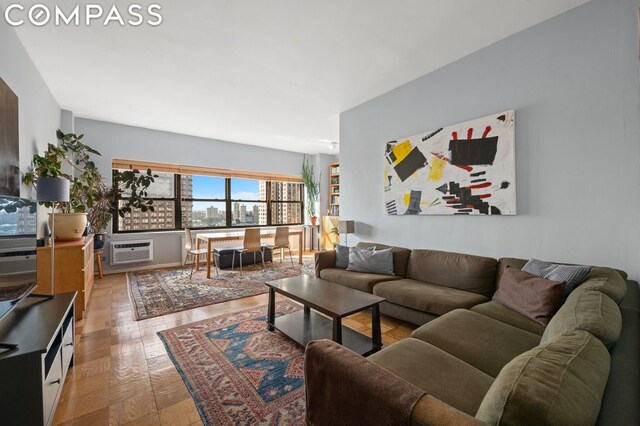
pixel 164 291
pixel 237 371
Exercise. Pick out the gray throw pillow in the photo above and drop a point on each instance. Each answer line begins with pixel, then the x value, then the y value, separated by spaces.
pixel 342 256
pixel 374 262
pixel 573 276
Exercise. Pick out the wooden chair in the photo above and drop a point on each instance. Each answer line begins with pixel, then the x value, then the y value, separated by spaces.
pixel 188 246
pixel 281 241
pixel 251 244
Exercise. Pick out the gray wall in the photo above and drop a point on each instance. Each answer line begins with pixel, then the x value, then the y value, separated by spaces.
pixel 135 143
pixel 39 114
pixel 573 81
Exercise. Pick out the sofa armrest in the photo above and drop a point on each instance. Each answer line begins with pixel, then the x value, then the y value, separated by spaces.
pixel 343 388
pixel 430 411
pixel 325 259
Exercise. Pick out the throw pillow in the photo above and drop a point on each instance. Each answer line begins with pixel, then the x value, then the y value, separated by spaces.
pixel 372 261
pixel 572 275
pixel 534 297
pixel 342 256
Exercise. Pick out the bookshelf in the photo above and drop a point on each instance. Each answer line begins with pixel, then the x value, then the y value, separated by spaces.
pixel 334 189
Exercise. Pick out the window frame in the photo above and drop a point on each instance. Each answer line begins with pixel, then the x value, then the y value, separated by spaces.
pixel 228 201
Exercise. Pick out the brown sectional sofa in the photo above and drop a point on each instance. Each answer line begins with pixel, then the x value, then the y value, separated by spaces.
pixel 475 361
pixel 426 284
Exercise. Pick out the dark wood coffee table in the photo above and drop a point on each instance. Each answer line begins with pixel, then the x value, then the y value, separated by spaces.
pixel 332 300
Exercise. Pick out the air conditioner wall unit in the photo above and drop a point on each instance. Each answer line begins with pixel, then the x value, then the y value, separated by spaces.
pixel 123 252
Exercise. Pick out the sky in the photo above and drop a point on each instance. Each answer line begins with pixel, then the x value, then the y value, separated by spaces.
pixel 212 187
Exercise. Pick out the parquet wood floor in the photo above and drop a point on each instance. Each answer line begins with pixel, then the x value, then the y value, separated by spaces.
pixel 122 374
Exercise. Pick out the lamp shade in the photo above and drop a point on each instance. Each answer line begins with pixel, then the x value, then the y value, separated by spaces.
pixel 52 189
pixel 346 226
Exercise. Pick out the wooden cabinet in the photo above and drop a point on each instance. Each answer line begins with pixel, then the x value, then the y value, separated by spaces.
pixel 334 189
pixel 73 270
pixel 32 374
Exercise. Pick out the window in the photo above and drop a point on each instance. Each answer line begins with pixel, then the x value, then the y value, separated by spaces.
pixel 203 201
pixel 248 202
pixel 286 202
pixel 162 192
pixel 194 201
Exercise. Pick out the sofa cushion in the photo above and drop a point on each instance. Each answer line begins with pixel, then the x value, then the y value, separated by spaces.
pixel 607 280
pixel 372 261
pixel 438 373
pixel 534 297
pixel 426 297
pixel 560 383
pixel 400 256
pixel 483 342
pixel 357 280
pixel 475 274
pixel 590 311
pixel 500 312
pixel 572 275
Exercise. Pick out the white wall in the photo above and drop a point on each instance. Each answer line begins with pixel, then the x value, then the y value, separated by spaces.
pixel 573 81
pixel 135 143
pixel 39 114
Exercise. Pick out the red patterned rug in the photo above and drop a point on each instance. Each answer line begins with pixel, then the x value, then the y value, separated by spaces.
pixel 237 371
pixel 157 292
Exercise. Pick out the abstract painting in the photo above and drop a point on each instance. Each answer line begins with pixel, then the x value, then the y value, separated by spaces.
pixel 9 144
pixel 464 169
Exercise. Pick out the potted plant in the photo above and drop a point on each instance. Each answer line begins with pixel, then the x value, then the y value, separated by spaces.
pixel 312 186
pixel 335 231
pixel 87 190
pixel 128 186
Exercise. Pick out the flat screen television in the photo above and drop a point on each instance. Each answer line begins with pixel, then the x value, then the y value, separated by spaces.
pixel 18 227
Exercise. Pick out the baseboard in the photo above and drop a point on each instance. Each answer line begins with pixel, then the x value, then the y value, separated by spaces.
pixel 144 268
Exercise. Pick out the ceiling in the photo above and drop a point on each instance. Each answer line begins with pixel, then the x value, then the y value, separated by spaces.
pixel 270 73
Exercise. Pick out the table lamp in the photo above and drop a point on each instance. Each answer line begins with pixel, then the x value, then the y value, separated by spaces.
pixel 53 190
pixel 346 227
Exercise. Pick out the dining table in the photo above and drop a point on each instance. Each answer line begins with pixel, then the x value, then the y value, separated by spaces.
pixel 215 237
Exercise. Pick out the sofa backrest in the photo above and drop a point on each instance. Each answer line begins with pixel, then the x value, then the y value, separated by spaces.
pixel 511 262
pixel 563 381
pixel 400 256
pixel 607 280
pixel 615 289
pixel 591 311
pixel 467 272
pixel 620 402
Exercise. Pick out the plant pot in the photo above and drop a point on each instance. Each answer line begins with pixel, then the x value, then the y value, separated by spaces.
pixel 69 226
pixel 314 220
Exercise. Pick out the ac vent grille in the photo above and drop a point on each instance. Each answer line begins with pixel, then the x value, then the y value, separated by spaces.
pixel 124 252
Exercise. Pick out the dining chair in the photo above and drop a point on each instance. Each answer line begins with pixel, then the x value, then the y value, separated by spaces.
pixel 188 247
pixel 251 244
pixel 281 241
